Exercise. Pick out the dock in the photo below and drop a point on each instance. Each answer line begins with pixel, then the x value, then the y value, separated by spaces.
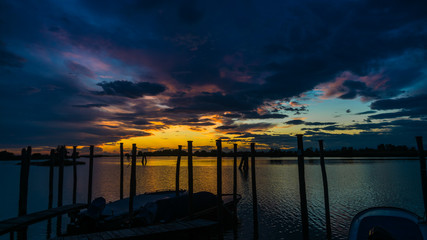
pixel 14 224
pixel 176 230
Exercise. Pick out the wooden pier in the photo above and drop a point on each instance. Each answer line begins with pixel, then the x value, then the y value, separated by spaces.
pixel 176 230
pixel 15 224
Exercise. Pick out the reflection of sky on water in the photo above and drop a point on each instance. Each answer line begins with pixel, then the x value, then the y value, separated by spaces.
pixel 354 185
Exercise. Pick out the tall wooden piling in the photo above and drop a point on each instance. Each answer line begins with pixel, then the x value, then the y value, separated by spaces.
pixel 219 187
pixel 325 191
pixel 190 178
pixel 235 191
pixel 254 194
pixel 23 188
pixel 121 170
pixel 178 165
pixel 302 190
pixel 50 197
pixel 132 186
pixel 61 156
pixel 423 169
pixel 23 182
pixel 89 189
pixel 74 175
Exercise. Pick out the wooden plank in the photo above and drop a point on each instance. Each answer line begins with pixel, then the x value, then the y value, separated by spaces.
pixel 157 230
pixel 12 224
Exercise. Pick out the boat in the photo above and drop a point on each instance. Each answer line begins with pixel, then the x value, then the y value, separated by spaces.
pixel 149 209
pixel 390 223
pixel 387 223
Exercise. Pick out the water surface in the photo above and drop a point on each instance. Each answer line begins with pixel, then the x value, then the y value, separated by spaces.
pixel 354 185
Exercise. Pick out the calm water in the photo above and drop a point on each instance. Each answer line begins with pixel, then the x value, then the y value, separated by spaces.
pixel 354 185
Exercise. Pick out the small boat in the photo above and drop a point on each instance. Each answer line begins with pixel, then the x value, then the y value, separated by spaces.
pixel 149 209
pixel 387 223
pixel 390 223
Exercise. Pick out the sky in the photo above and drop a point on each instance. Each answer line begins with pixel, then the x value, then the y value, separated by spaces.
pixel 159 73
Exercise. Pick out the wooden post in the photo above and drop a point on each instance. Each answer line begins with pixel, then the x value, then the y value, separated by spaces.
pixel 121 170
pixel 219 187
pixel 132 184
pixel 89 189
pixel 325 191
pixel 235 191
pixel 23 188
pixel 190 178
pixel 52 162
pixel 23 182
pixel 423 169
pixel 178 165
pixel 74 175
pixel 50 200
pixel 302 190
pixel 61 155
pixel 254 194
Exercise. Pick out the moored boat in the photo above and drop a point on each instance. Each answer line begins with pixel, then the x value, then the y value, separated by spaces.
pixel 387 223
pixel 149 209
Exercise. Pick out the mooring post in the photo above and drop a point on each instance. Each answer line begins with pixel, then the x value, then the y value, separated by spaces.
pixel 74 175
pixel 50 200
pixel 23 188
pixel 235 191
pixel 190 178
pixel 61 157
pixel 121 170
pixel 132 184
pixel 423 169
pixel 178 165
pixel 302 190
pixel 219 187
pixel 89 189
pixel 254 194
pixel 52 162
pixel 23 182
pixel 325 191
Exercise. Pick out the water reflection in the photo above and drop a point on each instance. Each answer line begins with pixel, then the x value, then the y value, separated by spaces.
pixel 354 185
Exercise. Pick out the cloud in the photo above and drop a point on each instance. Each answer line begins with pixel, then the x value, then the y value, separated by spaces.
pixel 79 69
pixel 129 89
pixel 295 122
pixel 9 59
pixel 91 105
pixel 413 106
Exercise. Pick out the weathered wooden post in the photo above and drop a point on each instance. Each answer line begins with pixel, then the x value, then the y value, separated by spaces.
pixel 23 182
pixel 325 191
pixel 23 188
pixel 178 165
pixel 121 170
pixel 423 169
pixel 219 187
pixel 89 189
pixel 254 194
pixel 302 190
pixel 61 155
pixel 74 175
pixel 190 178
pixel 235 191
pixel 50 200
pixel 132 186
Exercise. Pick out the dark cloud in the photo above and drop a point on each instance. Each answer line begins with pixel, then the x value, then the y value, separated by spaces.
pixel 365 112
pixel 295 122
pixel 129 89
pixel 414 106
pixel 9 59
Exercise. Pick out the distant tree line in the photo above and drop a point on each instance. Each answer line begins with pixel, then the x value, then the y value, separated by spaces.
pixel 382 150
